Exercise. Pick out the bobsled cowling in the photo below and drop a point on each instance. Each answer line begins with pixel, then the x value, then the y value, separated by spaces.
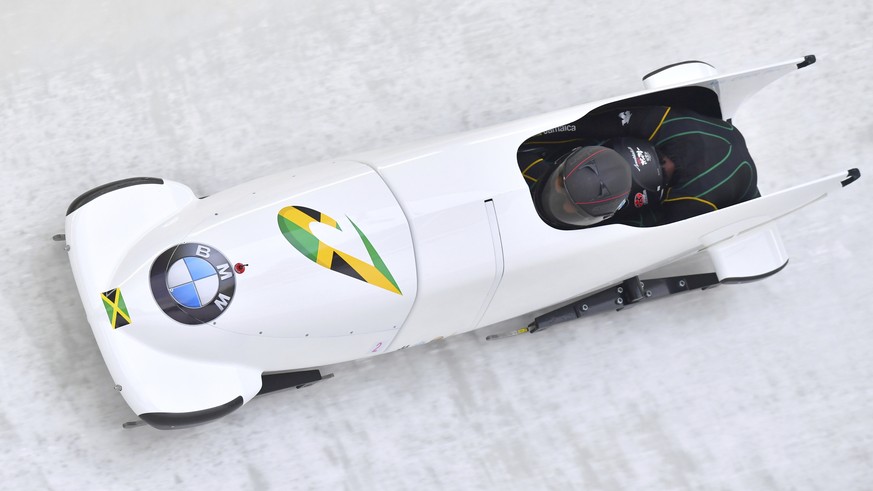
pixel 370 254
pixel 278 316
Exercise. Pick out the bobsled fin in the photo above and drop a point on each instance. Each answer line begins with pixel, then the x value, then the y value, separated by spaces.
pixel 749 279
pixel 751 255
pixel 272 382
pixel 173 421
pixel 88 196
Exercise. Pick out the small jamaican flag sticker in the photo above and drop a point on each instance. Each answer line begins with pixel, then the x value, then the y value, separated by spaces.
pixel 115 308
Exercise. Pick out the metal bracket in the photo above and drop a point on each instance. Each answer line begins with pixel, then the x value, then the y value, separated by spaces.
pixel 626 294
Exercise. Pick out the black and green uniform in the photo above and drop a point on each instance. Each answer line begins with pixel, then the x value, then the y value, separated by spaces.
pixel 713 166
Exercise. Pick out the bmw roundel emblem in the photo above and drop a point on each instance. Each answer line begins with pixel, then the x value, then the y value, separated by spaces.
pixel 192 283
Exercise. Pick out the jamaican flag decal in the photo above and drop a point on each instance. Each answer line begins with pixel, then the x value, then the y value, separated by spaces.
pixel 115 308
pixel 294 222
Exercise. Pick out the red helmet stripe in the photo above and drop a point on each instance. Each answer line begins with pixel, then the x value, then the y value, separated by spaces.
pixel 586 160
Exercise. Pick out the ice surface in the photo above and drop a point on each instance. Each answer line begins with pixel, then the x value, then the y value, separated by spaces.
pixel 761 386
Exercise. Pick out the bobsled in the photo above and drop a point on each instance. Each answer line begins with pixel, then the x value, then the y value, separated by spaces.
pixel 199 304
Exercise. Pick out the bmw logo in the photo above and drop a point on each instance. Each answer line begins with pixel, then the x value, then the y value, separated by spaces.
pixel 192 283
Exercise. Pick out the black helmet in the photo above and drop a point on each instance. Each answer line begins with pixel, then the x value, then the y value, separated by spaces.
pixel 587 187
pixel 648 186
pixel 644 160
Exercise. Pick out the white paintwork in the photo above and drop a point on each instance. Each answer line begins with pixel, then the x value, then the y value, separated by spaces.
pixel 583 261
pixel 499 265
pixel 736 87
pixel 732 89
pixel 272 323
pixel 453 220
pixel 754 253
pixel 286 295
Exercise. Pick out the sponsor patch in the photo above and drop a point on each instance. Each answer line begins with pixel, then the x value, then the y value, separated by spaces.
pixel 640 156
pixel 641 199
pixel 625 117
pixel 560 129
pixel 115 308
pixel 192 283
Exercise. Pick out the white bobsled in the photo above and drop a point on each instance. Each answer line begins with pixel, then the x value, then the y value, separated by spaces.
pixel 200 304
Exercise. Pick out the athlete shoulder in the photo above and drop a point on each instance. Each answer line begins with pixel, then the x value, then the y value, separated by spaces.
pixel 634 121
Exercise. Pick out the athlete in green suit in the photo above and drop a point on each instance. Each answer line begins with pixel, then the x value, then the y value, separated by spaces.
pixel 705 162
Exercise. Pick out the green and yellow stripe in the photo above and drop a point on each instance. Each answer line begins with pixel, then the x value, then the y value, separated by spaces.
pixel 294 223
